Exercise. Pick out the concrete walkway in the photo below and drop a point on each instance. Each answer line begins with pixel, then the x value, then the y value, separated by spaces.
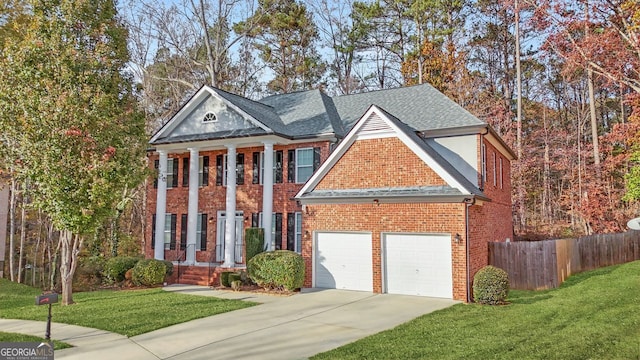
pixel 293 327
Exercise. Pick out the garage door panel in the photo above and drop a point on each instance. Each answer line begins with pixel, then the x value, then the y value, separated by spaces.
pixel 417 264
pixel 343 261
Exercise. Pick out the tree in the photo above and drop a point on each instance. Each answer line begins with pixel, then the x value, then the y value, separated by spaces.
pixel 67 108
pixel 286 37
pixel 178 46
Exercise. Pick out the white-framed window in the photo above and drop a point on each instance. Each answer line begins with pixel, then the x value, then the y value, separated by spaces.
pixel 167 231
pixel 483 156
pixel 172 171
pixel 199 233
pixel 495 180
pixel 201 171
pixel 304 164
pixel 209 117
pixel 501 176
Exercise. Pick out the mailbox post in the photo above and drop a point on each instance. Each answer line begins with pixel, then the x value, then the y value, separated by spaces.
pixel 49 299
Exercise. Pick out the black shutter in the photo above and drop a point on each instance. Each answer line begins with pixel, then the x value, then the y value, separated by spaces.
pixel 174 182
pixel 205 171
pixel 153 231
pixel 172 242
pixel 219 169
pixel 156 165
pixel 255 220
pixel 240 169
pixel 291 231
pixel 183 232
pixel 203 232
pixel 256 168
pixel 291 166
pixel 316 158
pixel 185 172
pixel 278 174
pixel 278 235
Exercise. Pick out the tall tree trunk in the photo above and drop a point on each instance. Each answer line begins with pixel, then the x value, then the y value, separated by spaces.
pixel 592 102
pixel 54 262
pixel 23 234
pixel 521 189
pixel 12 230
pixel 69 250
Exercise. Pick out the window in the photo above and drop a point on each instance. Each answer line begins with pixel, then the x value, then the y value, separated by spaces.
pixel 201 232
pixel 495 180
pixel 302 163
pixel 276 227
pixel 203 171
pixel 258 167
pixel 172 173
pixel 294 232
pixel 210 117
pixel 483 154
pixel 501 181
pixel 221 169
pixel 167 232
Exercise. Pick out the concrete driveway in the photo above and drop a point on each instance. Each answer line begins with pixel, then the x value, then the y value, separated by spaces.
pixel 293 327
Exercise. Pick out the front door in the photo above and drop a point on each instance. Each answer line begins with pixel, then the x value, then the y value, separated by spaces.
pixel 220 237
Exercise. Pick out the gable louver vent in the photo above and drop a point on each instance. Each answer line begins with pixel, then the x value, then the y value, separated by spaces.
pixel 375 124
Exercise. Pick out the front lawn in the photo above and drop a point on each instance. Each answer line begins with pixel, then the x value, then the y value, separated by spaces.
pixel 593 315
pixel 13 337
pixel 126 312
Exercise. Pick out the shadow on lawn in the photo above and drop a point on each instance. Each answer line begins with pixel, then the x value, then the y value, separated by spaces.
pixel 534 296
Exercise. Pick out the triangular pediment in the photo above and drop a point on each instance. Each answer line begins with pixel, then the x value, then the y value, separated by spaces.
pixel 207 112
pixel 380 152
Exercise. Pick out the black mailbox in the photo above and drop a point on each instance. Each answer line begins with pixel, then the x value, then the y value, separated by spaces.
pixel 46 299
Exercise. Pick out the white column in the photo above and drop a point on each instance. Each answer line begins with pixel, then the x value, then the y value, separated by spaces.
pixel 267 196
pixel 161 205
pixel 192 210
pixel 230 220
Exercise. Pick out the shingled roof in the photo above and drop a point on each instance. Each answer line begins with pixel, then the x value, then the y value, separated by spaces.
pixel 306 114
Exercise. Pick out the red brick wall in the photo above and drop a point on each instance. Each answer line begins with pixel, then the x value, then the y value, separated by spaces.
pixel 377 219
pixel 491 221
pixel 378 163
pixel 382 162
pixel 212 198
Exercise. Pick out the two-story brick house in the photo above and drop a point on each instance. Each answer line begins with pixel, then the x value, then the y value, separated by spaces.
pixel 393 191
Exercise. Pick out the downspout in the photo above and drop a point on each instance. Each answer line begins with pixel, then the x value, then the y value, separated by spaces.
pixel 468 202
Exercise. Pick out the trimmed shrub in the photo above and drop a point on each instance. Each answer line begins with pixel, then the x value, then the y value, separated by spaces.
pixel 254 240
pixel 490 286
pixel 224 278
pixel 169 266
pixel 149 272
pixel 280 269
pixel 117 266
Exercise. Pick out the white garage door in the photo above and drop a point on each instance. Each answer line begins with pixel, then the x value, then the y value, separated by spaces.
pixel 343 261
pixel 417 264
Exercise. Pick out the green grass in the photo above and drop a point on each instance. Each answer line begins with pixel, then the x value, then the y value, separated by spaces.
pixel 593 315
pixel 13 337
pixel 126 312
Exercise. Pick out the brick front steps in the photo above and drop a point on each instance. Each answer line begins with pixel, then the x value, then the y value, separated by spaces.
pixel 198 275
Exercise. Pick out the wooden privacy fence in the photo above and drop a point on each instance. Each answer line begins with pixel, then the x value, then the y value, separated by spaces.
pixel 547 264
